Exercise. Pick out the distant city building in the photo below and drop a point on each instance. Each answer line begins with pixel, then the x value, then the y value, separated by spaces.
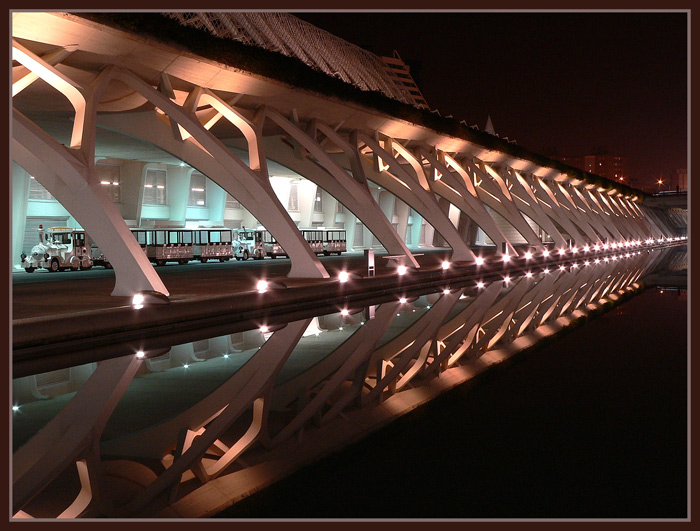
pixel 680 180
pixel 613 167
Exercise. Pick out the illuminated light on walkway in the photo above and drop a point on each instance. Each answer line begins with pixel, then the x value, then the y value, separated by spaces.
pixel 506 258
pixel 445 291
pixel 586 263
pixel 606 259
pixel 545 253
pixel 343 276
pixel 264 329
pixel 596 247
pixel 225 356
pixel 606 246
pixel 586 248
pixel 528 255
pixel 506 280
pixel 15 408
pixel 261 286
pixel 403 300
pixel 562 252
pixel 562 268
pixel 401 270
pixel 344 312
pixel 528 274
pixel 445 265
pixel 137 301
pixel 479 260
pixel 545 270
pixel 597 260
pixel 480 285
pixel 140 354
pixel 575 266
pixel 574 250
pixel 185 366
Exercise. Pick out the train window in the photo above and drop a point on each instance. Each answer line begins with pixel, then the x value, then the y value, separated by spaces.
pixel 160 237
pixel 214 236
pixel 79 238
pixel 185 237
pixel 141 237
pixel 225 236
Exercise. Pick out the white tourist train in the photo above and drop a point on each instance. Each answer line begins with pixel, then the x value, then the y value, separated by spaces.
pixel 64 248
pixel 259 243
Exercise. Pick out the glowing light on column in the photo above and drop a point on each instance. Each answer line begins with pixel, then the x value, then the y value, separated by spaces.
pixel 261 286
pixel 445 265
pixel 401 270
pixel 343 276
pixel 506 258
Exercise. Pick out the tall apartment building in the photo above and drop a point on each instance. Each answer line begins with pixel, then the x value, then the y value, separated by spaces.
pixel 613 167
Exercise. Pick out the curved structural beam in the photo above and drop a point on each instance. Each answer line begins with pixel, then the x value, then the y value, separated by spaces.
pixel 252 188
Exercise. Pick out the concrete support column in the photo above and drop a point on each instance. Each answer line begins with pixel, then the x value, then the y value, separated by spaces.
pixel 20 196
pixel 330 207
pixel 307 200
pixel 132 176
pixel 216 201
pixel 401 212
pixel 178 192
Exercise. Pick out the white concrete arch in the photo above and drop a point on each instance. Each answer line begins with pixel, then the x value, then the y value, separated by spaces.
pixel 414 193
pixel 207 153
pixel 335 180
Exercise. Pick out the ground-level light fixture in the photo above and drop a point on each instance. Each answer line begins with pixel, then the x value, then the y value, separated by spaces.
pixel 528 255
pixel 445 265
pixel 140 354
pixel 401 270
pixel 261 286
pixel 479 260
pixel 343 276
pixel 264 329
pixel 403 300
pixel 445 291
pixel 480 285
pixel 144 297
pixel 545 253
pixel 344 312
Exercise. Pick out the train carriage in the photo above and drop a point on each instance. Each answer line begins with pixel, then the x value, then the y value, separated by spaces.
pixel 213 244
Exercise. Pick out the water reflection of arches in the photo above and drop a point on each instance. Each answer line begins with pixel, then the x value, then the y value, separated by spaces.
pixel 240 399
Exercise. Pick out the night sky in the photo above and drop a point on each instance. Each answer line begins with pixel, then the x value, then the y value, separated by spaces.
pixel 563 83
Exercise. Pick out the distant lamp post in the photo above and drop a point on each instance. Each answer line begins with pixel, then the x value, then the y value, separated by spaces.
pixel 659 182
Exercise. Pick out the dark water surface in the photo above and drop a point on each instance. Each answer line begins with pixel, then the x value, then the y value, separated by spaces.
pixel 593 425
